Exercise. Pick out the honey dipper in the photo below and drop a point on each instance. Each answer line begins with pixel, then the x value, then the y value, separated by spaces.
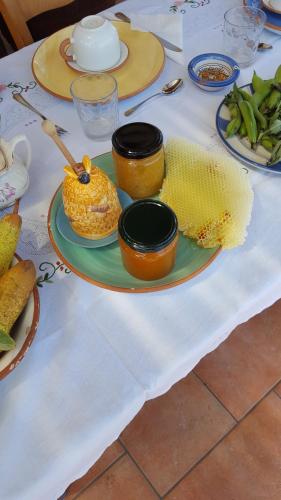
pixel 50 129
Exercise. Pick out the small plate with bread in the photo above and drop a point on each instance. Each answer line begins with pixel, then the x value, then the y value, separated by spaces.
pixel 19 298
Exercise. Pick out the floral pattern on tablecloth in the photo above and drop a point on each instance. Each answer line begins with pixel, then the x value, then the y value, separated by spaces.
pixel 49 270
pixel 34 244
pixel 13 112
pixel 181 6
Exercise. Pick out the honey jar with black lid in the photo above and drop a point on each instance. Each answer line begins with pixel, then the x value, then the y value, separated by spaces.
pixel 148 237
pixel 138 154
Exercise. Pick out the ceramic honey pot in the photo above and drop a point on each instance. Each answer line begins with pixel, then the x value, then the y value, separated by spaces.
pixel 14 178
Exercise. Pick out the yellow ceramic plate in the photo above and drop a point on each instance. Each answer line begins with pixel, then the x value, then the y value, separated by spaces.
pixel 143 66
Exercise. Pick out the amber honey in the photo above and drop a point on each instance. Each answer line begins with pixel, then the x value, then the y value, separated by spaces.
pixel 148 236
pixel 138 154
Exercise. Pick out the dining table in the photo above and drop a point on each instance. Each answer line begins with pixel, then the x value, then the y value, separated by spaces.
pixel 99 354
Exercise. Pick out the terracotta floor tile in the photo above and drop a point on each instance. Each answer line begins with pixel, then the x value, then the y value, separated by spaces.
pixel 109 456
pixel 246 465
pixel 122 481
pixel 245 367
pixel 174 431
pixel 278 389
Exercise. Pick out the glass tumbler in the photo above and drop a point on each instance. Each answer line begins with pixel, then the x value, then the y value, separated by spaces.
pixel 242 29
pixel 95 97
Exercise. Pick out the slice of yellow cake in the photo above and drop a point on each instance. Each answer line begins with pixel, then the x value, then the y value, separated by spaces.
pixel 10 226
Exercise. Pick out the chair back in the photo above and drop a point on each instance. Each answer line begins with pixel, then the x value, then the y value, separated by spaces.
pixel 16 14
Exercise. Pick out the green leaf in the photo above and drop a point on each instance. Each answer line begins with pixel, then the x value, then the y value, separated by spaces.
pixel 6 342
pixel 274 129
pixel 276 154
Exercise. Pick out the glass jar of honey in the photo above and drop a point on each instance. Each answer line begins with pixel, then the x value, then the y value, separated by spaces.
pixel 148 236
pixel 138 154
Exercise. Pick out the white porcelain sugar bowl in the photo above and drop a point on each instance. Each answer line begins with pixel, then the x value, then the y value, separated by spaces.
pixel 14 178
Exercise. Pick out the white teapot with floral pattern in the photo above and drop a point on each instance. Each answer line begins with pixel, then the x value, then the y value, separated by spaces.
pixel 14 178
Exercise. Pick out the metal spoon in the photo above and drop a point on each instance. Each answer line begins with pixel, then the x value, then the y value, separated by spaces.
pixel 168 89
pixel 264 46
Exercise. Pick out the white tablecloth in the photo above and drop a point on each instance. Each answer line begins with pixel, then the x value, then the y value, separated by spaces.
pixel 99 355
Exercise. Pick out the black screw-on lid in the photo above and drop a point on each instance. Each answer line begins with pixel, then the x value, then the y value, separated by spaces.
pixel 137 140
pixel 148 225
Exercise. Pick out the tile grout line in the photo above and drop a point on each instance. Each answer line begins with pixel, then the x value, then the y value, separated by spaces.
pixel 279 395
pixel 223 437
pixel 216 397
pixel 272 388
pixel 201 459
pixel 99 475
pixel 237 422
pixel 140 469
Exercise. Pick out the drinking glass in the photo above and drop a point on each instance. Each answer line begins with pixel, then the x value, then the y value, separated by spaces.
pixel 242 29
pixel 95 98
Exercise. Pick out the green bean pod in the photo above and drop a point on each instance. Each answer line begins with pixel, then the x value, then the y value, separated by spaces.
pixel 264 109
pixel 276 154
pixel 250 121
pixel 242 130
pixel 267 143
pixel 274 140
pixel 246 96
pixel 275 95
pixel 254 100
pixel 235 122
pixel 274 99
pixel 257 82
pixel 277 77
pixel 260 117
pixel 259 97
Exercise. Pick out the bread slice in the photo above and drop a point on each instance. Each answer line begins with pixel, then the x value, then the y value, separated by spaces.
pixel 15 288
pixel 10 226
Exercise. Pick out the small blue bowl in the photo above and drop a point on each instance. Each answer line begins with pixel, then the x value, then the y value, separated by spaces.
pixel 216 61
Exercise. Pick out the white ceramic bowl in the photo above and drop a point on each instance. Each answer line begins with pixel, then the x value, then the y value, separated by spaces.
pixel 23 332
pixel 216 61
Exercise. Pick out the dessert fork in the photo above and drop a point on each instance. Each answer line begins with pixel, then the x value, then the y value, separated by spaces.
pixel 19 98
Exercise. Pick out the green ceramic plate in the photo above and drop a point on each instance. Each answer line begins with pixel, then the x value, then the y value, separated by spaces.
pixel 104 267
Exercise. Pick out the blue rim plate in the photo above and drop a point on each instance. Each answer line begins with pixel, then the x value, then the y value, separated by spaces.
pixel 212 58
pixel 273 20
pixel 240 148
pixel 68 234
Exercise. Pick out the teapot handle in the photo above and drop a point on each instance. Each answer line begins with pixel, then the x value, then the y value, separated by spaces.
pixel 15 141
